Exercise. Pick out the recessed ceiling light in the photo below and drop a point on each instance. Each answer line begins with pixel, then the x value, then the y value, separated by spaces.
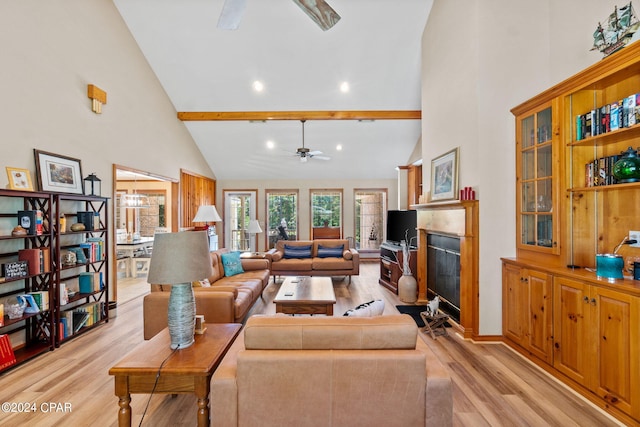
pixel 344 87
pixel 339 147
pixel 271 145
pixel 258 86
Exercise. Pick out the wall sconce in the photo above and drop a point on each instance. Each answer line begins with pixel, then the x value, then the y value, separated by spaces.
pixel 98 97
pixel 92 185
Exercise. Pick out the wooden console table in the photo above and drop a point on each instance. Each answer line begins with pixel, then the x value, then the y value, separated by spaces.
pixel 185 371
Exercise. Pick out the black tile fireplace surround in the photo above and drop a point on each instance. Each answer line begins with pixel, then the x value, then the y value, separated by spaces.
pixel 443 272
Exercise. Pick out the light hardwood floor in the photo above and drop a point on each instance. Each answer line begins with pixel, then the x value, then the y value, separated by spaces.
pixel 493 386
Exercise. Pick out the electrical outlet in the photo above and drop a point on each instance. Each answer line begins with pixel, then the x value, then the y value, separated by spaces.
pixel 635 235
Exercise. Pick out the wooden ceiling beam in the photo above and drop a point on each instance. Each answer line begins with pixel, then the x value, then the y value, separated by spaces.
pixel 300 115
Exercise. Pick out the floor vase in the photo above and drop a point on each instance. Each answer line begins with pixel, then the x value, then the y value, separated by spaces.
pixel 407 288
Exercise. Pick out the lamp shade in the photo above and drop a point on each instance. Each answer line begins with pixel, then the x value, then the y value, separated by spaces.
pixel 254 227
pixel 207 213
pixel 179 258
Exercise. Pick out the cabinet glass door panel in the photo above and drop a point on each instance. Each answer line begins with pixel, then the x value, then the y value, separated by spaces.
pixel 536 180
pixel 544 198
pixel 528 229
pixel 528 164
pixel 544 125
pixel 528 197
pixel 544 161
pixel 528 136
pixel 545 231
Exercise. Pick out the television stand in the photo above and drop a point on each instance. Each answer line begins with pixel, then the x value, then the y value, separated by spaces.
pixel 391 259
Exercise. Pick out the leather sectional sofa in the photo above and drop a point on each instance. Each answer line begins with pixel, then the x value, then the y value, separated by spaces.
pixel 224 299
pixel 320 257
pixel 331 371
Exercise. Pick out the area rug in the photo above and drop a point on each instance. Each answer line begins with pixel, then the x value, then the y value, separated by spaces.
pixel 413 311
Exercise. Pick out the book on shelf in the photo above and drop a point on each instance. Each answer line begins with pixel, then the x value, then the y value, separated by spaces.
pixel 90 281
pixel 38 259
pixel 32 221
pixel 79 319
pixel 86 218
pixel 613 116
pixel 599 172
pixel 41 298
pixel 7 356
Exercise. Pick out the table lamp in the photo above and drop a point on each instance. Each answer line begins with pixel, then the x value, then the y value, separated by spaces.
pixel 177 260
pixel 254 228
pixel 206 214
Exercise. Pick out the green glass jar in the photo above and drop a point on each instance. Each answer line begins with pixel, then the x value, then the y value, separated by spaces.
pixel 627 169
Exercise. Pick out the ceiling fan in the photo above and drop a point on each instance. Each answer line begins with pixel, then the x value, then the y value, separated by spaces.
pixel 318 10
pixel 306 154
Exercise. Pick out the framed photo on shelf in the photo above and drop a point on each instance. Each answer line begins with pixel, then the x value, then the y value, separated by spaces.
pixel 19 179
pixel 58 173
pixel 444 176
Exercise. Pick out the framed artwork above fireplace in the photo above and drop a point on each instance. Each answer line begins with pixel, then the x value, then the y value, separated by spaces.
pixel 444 176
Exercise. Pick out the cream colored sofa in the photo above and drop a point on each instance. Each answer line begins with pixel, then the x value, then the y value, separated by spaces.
pixel 347 264
pixel 331 371
pixel 227 300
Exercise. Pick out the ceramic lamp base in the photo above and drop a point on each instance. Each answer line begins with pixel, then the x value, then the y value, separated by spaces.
pixel 182 315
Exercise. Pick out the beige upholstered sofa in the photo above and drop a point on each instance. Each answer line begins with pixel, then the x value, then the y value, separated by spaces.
pixel 320 261
pixel 331 371
pixel 227 300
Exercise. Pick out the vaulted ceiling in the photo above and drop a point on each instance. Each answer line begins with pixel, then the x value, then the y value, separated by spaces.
pixel 375 48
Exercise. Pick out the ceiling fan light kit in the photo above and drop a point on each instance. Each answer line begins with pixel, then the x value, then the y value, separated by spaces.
pixel 306 154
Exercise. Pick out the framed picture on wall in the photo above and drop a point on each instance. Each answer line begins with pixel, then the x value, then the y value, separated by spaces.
pixel 444 176
pixel 19 179
pixel 58 173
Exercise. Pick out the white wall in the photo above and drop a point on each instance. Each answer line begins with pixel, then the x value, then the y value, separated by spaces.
pixel 480 59
pixel 51 51
pixel 347 186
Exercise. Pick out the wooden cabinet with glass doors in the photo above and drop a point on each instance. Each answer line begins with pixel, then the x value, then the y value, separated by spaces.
pixel 537 178
pixel 594 118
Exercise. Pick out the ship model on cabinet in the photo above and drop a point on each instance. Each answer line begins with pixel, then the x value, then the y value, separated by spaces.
pixel 617 33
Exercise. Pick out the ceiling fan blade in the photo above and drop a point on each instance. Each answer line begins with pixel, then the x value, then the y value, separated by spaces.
pixel 321 157
pixel 315 153
pixel 320 12
pixel 231 14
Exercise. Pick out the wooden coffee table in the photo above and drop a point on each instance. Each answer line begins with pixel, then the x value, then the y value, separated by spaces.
pixel 305 295
pixel 188 370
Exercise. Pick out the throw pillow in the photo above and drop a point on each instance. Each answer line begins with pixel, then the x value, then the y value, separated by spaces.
pixel 291 251
pixel 231 264
pixel 368 309
pixel 330 251
pixel 204 283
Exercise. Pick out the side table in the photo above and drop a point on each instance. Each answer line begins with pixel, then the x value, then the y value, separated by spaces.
pixel 433 323
pixel 187 370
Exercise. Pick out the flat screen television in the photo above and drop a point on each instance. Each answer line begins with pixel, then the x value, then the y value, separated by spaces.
pixel 401 225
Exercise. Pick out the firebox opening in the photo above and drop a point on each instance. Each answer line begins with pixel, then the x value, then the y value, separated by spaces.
pixel 443 272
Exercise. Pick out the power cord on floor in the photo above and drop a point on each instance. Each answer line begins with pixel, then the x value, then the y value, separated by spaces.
pixel 156 384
